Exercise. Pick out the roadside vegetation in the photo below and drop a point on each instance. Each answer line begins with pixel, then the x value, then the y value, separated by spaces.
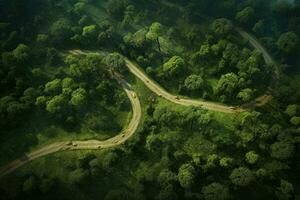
pixel 50 92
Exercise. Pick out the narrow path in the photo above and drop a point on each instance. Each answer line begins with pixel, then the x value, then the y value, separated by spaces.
pixel 157 89
pixel 132 127
pixel 84 145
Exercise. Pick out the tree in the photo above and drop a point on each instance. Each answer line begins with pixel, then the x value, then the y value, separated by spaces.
pixel 242 176
pixel 186 175
pixel 78 7
pixel 53 87
pixel 56 104
pixel 68 83
pixel 128 15
pixel 165 116
pixel 282 150
pixel 41 101
pixel 174 66
pixel 292 110
pixel 166 177
pixel 295 121
pixel 259 27
pixel 61 30
pixel 78 97
pixel 215 191
pixel 222 26
pixel 90 33
pixel 251 157
pixel 285 191
pixel 228 85
pixel 21 53
pixel 154 33
pixel 245 95
pixel 226 162
pixel 116 8
pixel 288 42
pixel 194 83
pixel 192 118
pixel 116 62
pixel 245 16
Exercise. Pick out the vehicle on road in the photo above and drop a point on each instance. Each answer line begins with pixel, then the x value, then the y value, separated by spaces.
pixel 24 158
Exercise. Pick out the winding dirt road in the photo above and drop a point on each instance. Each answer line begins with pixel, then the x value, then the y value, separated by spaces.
pixel 133 125
pixel 84 145
pixel 157 89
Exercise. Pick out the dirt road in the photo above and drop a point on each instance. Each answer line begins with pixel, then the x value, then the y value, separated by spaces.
pixel 157 89
pixel 130 130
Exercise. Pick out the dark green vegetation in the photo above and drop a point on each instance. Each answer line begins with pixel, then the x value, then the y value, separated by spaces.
pixel 47 95
pixel 189 47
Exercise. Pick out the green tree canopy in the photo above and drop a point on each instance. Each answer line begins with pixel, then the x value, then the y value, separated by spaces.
pixel 79 97
pixel 53 87
pixel 282 150
pixel 174 66
pixel 228 85
pixel 56 105
pixel 21 53
pixel 215 191
pixel 194 82
pixel 288 42
pixel 116 8
pixel 244 16
pixel 90 32
pixel 61 29
pixel 292 110
pixel 116 62
pixel 242 176
pixel 251 157
pixel 154 33
pixel 245 95
pixel 222 26
pixel 186 175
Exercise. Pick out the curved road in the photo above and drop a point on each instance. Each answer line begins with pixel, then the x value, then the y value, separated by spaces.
pixel 157 89
pixel 132 127
pixel 84 145
pixel 255 44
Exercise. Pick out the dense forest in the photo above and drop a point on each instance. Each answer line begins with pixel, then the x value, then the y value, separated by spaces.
pixel 230 129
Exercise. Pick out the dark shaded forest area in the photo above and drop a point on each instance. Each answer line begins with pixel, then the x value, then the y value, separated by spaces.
pixel 60 69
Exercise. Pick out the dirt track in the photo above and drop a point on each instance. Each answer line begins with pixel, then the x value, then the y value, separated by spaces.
pixel 157 89
pixel 130 130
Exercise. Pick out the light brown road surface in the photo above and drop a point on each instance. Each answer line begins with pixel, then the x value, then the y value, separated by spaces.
pixel 84 145
pixel 157 89
pixel 130 130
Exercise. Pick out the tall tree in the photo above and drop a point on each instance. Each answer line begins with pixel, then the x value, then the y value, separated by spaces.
pixel 154 33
